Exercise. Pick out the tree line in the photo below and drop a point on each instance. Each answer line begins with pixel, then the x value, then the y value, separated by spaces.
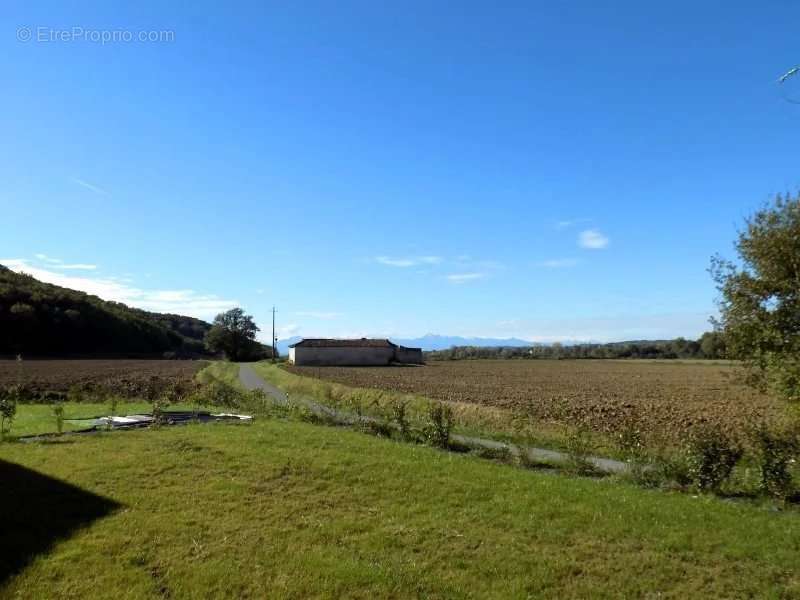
pixel 711 345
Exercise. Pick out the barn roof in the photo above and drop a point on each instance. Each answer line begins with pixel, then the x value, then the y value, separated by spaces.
pixel 339 343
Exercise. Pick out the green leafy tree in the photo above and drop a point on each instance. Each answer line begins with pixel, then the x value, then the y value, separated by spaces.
pixel 760 298
pixel 233 333
pixel 712 344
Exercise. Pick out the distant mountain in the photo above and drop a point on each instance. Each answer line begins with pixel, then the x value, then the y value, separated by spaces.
pixel 41 319
pixel 442 342
pixel 431 342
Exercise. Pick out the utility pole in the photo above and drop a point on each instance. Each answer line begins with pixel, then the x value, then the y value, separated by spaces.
pixel 274 339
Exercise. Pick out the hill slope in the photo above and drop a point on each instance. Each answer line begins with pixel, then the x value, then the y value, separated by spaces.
pixel 39 318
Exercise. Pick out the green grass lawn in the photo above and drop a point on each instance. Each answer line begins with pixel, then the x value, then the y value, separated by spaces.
pixel 288 509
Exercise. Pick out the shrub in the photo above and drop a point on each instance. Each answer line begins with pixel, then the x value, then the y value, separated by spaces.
pixel 401 419
pixel 259 402
pixel 630 442
pixel 8 408
pixel 579 447
pixel 58 413
pixel 113 401
pixel 376 427
pixel 159 404
pixel 712 455
pixel 440 423
pixel 217 393
pixel 776 450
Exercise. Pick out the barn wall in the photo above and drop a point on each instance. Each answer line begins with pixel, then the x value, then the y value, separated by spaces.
pixel 342 356
pixel 412 356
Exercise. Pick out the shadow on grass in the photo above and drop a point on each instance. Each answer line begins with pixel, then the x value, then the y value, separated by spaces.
pixel 37 512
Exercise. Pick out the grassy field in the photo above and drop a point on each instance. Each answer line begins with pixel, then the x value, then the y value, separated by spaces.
pixel 662 399
pixel 286 509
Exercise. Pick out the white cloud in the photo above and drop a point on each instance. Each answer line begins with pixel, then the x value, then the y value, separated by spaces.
pixel 89 186
pixel 57 263
pixel 409 261
pixel 557 263
pixel 395 262
pixel 48 259
pixel 465 277
pixel 185 302
pixel 566 223
pixel 592 239
pixel 326 316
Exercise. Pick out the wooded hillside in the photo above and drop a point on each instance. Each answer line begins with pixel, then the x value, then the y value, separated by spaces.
pixel 42 319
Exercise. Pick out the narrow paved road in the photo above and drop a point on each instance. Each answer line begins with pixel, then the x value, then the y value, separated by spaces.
pixel 252 381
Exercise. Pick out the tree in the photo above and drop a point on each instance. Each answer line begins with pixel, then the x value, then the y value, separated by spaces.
pixel 760 298
pixel 233 333
pixel 712 344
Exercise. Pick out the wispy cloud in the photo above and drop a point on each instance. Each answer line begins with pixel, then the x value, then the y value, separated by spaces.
pixel 185 302
pixel 557 263
pixel 459 278
pixel 408 261
pixel 395 262
pixel 89 186
pixel 592 239
pixel 48 259
pixel 57 263
pixel 567 223
pixel 326 316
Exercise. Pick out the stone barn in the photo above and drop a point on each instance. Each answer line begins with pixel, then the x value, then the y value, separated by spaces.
pixel 352 353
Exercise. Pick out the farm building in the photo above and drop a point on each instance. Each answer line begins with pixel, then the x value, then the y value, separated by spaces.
pixel 352 353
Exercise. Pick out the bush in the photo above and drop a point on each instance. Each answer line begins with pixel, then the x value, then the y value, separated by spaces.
pixel 217 393
pixel 579 447
pixel 440 423
pixel 376 427
pixel 776 451
pixel 58 413
pixel 401 419
pixel 9 398
pixel 159 404
pixel 712 456
pixel 630 442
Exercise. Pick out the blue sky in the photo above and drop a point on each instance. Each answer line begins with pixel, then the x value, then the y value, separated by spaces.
pixel 530 169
